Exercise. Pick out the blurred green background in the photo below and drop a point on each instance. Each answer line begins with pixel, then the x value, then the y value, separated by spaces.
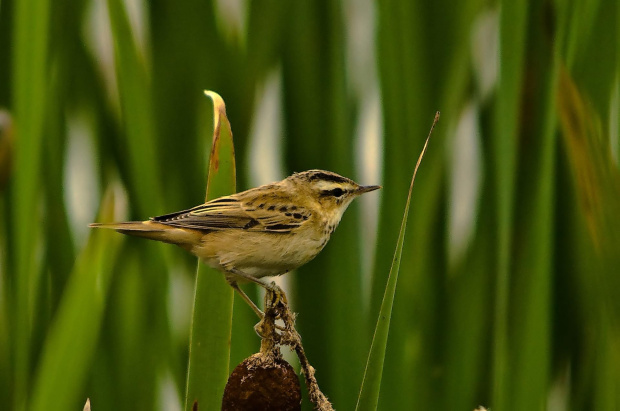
pixel 509 292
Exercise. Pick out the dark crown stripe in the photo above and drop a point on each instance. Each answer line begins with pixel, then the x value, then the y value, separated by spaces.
pixel 328 177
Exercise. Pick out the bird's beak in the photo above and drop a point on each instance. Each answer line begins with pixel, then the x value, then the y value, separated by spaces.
pixel 366 189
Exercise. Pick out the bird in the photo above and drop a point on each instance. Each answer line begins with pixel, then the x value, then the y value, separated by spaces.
pixel 261 232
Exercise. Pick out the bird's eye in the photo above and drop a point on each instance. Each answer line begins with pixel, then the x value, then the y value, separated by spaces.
pixel 336 192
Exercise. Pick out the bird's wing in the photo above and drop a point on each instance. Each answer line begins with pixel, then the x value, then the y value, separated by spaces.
pixel 276 213
pixel 237 213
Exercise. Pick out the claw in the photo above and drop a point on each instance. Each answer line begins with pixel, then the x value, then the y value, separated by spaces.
pixel 278 293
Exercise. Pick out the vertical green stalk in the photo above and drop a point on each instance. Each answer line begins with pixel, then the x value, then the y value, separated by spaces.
pixel 134 91
pixel 616 89
pixel 31 75
pixel 533 265
pixel 344 284
pixel 143 175
pixel 513 20
pixel 209 349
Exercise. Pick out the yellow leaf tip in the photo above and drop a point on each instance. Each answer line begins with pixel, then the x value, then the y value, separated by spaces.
pixel 218 101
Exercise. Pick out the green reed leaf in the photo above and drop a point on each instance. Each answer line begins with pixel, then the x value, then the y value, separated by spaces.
pixel 74 333
pixel 209 351
pixel 369 393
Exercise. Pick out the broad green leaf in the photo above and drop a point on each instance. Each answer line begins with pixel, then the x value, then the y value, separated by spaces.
pixel 74 334
pixel 209 351
pixel 31 76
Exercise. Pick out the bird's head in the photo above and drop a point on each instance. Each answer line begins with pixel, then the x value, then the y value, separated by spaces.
pixel 331 191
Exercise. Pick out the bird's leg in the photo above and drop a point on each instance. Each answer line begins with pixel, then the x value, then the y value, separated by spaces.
pixel 279 295
pixel 271 286
pixel 247 299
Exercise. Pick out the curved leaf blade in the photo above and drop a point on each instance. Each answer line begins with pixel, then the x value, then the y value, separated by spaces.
pixel 209 351
pixel 371 384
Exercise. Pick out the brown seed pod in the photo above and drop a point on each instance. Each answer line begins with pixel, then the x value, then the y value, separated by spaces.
pixel 262 382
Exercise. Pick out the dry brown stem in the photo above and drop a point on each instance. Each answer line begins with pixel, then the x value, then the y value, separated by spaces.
pixel 272 336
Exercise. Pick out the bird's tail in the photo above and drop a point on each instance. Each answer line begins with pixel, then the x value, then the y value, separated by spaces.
pixel 154 231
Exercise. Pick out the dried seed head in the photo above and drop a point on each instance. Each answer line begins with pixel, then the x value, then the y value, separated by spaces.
pixel 262 383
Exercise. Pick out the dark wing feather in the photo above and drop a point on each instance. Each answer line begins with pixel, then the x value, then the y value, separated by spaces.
pixel 232 213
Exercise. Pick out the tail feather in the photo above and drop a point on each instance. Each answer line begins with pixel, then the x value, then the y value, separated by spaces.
pixel 153 231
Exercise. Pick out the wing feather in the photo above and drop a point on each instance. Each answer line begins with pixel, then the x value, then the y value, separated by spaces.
pixel 234 213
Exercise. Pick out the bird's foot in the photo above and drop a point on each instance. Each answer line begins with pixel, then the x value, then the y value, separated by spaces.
pixel 275 295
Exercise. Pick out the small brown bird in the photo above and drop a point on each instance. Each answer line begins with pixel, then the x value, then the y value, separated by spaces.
pixel 264 231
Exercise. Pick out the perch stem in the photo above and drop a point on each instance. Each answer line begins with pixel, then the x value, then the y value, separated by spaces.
pixel 277 308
